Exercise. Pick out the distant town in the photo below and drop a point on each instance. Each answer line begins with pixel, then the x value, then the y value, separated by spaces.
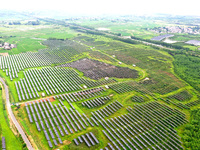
pixel 176 29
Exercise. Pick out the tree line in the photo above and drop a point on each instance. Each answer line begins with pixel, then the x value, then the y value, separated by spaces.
pixel 191 132
pixel 161 43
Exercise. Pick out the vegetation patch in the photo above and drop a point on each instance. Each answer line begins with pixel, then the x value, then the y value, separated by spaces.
pixel 101 56
pixel 191 131
pixel 188 68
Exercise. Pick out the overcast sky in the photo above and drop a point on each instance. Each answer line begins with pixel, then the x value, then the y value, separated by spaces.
pixel 96 7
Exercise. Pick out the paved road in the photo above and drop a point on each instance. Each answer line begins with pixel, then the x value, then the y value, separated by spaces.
pixel 14 120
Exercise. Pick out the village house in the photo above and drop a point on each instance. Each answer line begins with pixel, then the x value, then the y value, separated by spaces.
pixel 13 45
pixel 8 46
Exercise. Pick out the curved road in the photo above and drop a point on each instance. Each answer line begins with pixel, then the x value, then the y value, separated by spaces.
pixel 14 120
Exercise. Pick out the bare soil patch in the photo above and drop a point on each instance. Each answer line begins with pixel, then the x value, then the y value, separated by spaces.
pixel 50 98
pixel 4 54
pixel 96 70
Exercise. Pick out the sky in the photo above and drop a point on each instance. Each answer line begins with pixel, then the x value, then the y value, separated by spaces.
pixel 97 7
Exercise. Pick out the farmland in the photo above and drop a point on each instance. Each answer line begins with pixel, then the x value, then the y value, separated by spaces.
pixel 71 89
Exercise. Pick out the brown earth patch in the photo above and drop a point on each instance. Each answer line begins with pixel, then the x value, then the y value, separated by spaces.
pixel 66 142
pixel 50 98
pixel 4 54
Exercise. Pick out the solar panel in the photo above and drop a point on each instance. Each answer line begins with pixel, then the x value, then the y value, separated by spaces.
pixel 106 148
pixel 56 132
pixel 77 125
pixel 94 121
pixel 27 110
pixel 121 144
pixel 30 118
pixel 55 142
pixel 59 120
pixel 80 139
pixel 60 141
pixel 50 144
pixel 42 124
pixel 60 130
pixel 34 117
pixel 43 116
pixel 86 141
pixel 3 143
pixel 51 133
pixel 95 139
pixel 106 123
pixel 46 135
pixel 76 142
pixel 115 145
pixel 88 136
pixel 55 121
pixel 61 102
pixel 125 143
pixel 112 148
pixel 111 134
pixel 65 130
pixel 51 122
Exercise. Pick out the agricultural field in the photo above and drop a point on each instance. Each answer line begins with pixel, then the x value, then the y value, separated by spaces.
pixel 29 38
pixel 76 90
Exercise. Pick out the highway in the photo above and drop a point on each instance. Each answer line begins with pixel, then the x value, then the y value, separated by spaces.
pixel 12 117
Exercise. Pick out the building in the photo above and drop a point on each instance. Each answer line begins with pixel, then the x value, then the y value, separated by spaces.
pixel 6 44
pixel 127 37
pixel 13 46
pixel 7 47
pixel 43 94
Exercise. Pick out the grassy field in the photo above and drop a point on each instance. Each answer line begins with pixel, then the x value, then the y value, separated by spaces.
pixel 29 38
pixel 12 142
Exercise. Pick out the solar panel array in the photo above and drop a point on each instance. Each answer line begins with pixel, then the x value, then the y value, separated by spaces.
pixel 80 95
pixel 107 111
pixel 95 102
pixel 60 52
pixel 15 63
pixel 55 121
pixel 121 87
pixel 161 37
pixel 147 126
pixel 89 139
pixel 51 81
